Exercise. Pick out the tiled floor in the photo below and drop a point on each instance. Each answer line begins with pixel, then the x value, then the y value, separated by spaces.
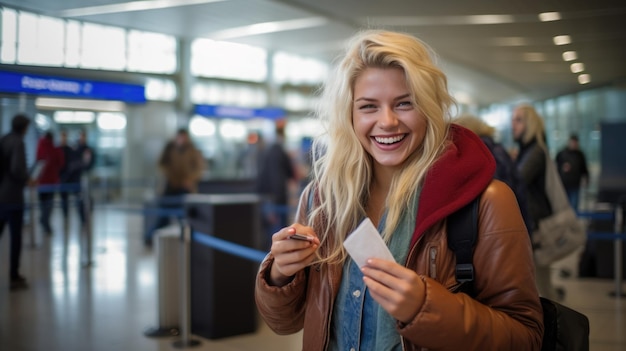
pixel 107 306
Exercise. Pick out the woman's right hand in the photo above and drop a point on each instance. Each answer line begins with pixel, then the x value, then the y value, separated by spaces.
pixel 290 256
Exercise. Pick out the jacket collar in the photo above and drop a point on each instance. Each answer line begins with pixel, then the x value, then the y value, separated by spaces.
pixel 460 174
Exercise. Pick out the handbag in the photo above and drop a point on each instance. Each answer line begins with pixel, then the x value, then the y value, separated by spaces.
pixel 564 329
pixel 561 233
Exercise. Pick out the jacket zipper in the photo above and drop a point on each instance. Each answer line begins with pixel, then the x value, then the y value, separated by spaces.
pixel 329 313
pixel 432 269
pixel 406 263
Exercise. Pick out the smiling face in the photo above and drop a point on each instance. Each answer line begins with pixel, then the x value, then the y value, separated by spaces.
pixel 386 121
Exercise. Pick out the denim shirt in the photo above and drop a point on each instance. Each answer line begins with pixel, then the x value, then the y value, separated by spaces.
pixel 358 321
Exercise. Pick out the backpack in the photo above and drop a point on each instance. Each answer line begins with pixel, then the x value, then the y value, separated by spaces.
pixel 564 328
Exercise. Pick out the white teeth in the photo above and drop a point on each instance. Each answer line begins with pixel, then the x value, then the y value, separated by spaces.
pixel 390 140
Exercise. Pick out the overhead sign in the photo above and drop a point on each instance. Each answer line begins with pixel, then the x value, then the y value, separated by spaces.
pixel 54 86
pixel 239 112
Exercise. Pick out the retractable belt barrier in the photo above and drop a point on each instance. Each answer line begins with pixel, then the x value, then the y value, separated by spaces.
pixel 229 247
pixel 600 216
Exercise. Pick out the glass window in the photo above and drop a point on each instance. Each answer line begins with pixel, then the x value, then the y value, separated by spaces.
pixel 151 52
pixel 201 127
pixel 288 68
pixel 40 40
pixel 111 121
pixel 219 59
pixel 229 93
pixel 567 120
pixel 72 44
pixel 8 40
pixel 79 117
pixel 27 38
pixel 51 35
pixel 160 90
pixel 294 100
pixel 103 47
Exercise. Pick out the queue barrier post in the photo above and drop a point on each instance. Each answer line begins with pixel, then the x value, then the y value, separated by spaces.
pixel 168 282
pixel 87 229
pixel 32 194
pixel 185 291
pixel 617 244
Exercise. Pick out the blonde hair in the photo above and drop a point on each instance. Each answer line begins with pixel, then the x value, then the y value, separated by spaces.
pixel 344 171
pixel 476 125
pixel 533 125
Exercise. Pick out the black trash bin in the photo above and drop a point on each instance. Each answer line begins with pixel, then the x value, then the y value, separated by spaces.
pixel 222 284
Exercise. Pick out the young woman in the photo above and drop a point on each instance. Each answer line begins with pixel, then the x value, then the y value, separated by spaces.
pixel 530 134
pixel 391 154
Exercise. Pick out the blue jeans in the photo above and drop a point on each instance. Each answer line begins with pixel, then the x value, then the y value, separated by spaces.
pixel 80 205
pixel 46 204
pixel 573 196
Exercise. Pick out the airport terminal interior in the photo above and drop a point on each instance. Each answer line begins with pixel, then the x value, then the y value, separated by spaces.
pixel 110 305
pixel 127 76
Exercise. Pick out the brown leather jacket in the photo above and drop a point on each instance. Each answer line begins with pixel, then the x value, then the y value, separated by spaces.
pixel 504 315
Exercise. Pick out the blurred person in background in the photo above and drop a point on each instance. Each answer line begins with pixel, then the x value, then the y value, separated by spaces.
pixel 250 158
pixel 79 159
pixel 529 133
pixel 13 178
pixel 53 160
pixel 182 165
pixel 572 166
pixel 275 173
pixel 506 169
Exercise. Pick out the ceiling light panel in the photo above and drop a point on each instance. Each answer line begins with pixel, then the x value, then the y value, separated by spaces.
pixel 584 78
pixel 510 41
pixel 268 27
pixel 131 6
pixel 534 56
pixel 438 20
pixel 549 16
pixel 562 40
pixel 577 67
pixel 44 103
pixel 570 55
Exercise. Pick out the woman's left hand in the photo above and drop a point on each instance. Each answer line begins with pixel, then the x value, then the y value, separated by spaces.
pixel 399 290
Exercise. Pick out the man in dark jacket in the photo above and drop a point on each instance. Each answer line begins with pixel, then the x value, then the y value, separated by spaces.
pixel 276 170
pixel 78 161
pixel 572 169
pixel 13 177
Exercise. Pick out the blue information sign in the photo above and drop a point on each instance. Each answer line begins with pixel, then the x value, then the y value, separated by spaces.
pixel 78 88
pixel 239 112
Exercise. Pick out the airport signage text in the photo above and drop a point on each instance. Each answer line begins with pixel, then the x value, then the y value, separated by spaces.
pixel 55 86
pixel 219 111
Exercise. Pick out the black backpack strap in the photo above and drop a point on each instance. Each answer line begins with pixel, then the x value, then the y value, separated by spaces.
pixel 462 232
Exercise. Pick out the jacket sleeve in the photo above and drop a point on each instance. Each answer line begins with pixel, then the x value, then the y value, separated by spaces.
pixel 18 169
pixel 533 166
pixel 282 308
pixel 506 313
pixel 40 153
pixel 92 159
